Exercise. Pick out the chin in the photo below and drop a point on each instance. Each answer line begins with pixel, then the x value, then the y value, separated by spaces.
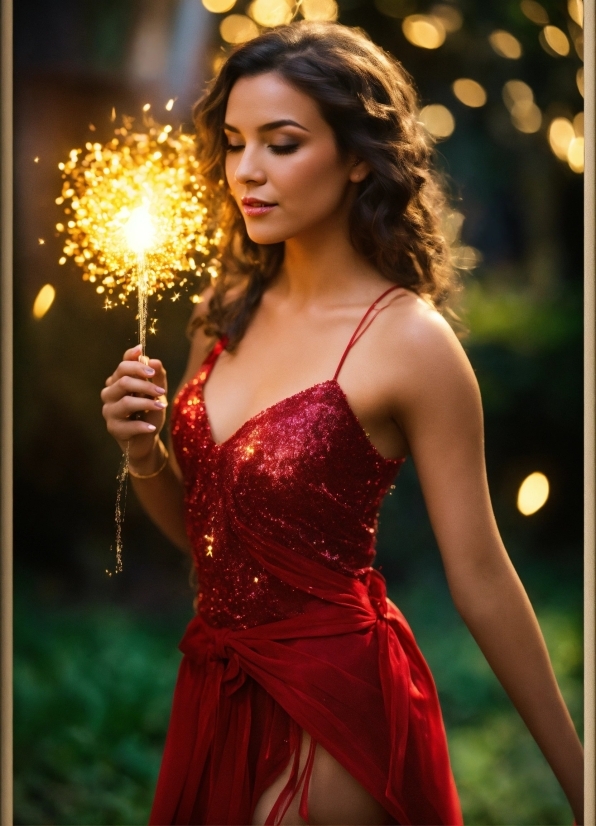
pixel 260 235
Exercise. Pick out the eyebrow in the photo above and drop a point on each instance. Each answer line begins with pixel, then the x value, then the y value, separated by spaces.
pixel 269 127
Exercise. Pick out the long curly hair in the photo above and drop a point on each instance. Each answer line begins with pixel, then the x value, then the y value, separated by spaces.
pixel 370 102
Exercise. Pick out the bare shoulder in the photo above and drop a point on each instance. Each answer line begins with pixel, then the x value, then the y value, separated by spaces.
pixel 425 356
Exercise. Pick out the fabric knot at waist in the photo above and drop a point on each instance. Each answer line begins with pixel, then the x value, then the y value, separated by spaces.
pixel 217 642
pixel 214 647
pixel 377 593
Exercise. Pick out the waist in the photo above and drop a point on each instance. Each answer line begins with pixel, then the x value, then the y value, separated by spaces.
pixel 358 605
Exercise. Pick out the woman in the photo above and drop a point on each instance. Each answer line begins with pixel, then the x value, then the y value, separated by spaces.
pixel 319 362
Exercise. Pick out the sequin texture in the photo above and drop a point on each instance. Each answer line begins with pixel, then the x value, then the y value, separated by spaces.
pixel 303 469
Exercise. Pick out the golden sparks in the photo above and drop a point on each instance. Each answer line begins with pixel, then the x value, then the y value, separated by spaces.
pixel 36 159
pixel 139 192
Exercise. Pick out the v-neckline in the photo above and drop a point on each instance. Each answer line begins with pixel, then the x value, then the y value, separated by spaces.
pixel 332 382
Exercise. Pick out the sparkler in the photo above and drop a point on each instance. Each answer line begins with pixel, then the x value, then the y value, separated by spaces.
pixel 137 215
pixel 138 218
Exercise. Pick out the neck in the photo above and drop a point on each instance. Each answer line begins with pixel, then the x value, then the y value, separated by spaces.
pixel 322 265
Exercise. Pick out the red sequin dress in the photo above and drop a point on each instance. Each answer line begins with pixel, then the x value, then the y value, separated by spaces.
pixel 293 629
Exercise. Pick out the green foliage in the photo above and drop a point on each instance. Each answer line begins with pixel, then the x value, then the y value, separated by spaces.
pixel 501 775
pixel 92 699
pixel 518 319
pixel 93 690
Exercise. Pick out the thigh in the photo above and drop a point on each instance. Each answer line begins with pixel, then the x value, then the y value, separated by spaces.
pixel 334 797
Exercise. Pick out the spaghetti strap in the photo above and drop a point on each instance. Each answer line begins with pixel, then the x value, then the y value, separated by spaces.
pixel 359 329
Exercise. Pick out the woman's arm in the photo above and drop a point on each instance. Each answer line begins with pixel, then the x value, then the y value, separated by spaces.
pixel 130 389
pixel 440 411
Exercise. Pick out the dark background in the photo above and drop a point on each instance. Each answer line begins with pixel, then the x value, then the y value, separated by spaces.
pixel 95 656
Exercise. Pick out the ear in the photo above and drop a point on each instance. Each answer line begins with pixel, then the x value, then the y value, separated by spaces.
pixel 359 170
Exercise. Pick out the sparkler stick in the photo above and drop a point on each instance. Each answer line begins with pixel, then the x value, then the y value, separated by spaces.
pixel 138 216
pixel 140 233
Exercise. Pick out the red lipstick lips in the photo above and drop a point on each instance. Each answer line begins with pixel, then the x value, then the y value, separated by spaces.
pixel 254 206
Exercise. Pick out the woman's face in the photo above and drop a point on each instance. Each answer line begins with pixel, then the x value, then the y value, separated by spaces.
pixel 282 163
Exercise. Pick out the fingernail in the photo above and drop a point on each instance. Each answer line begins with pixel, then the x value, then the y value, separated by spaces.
pixel 160 390
pixel 150 427
pixel 161 405
pixel 149 370
pixel 137 347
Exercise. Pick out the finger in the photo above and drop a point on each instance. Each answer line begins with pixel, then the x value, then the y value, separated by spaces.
pixel 160 376
pixel 128 385
pixel 127 429
pixel 133 368
pixel 133 353
pixel 128 405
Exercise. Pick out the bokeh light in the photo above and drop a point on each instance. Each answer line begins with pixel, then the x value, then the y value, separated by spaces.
pixel 270 13
pixel 452 222
pixel 575 155
pixel 560 135
pixel 438 120
pixel 526 116
pixel 424 30
pixel 515 91
pixel 519 99
pixel 575 9
pixel 319 10
pixel 554 41
pixel 238 28
pixel 533 493
pixel 579 79
pixel 578 125
pixel 465 257
pixel 534 12
pixel 505 44
pixel 43 301
pixel 219 6
pixel 450 16
pixel 469 92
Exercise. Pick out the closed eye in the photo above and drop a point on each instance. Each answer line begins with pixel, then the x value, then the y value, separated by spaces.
pixel 277 149
pixel 284 148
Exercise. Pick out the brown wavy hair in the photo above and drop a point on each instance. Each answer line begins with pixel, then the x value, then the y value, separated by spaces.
pixel 370 102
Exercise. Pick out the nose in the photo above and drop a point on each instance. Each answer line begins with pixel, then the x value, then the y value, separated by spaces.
pixel 249 170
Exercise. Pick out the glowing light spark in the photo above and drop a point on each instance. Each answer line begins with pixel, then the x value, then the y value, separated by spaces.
pixel 133 201
pixel 139 230
pixel 36 159
pixel 40 241
pixel 176 296
pixel 170 104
